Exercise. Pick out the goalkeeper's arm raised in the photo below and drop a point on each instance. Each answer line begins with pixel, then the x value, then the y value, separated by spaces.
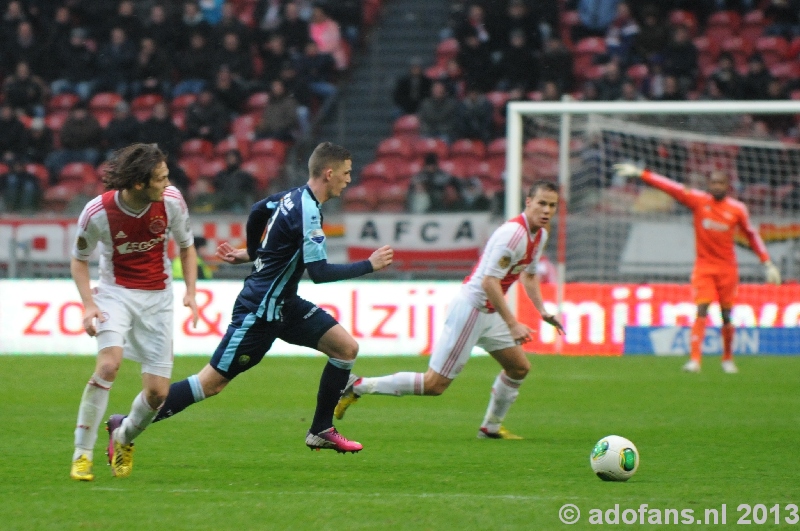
pixel 678 191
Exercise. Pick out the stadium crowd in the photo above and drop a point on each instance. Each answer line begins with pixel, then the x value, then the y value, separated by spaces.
pixel 226 86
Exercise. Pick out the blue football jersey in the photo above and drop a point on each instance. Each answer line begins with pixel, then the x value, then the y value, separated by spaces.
pixel 290 224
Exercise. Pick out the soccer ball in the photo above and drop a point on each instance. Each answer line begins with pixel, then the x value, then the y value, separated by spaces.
pixel 614 458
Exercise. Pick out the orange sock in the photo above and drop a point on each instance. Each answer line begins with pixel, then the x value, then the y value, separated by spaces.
pixel 727 342
pixel 698 333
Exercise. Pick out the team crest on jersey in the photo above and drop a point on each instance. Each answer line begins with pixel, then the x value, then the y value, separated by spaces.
pixel 317 236
pixel 157 224
pixel 82 243
pixel 504 262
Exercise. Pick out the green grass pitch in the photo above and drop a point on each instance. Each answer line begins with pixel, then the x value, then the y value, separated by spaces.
pixel 238 461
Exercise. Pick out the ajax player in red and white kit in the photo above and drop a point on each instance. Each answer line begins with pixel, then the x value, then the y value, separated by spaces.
pixel 715 275
pixel 479 315
pixel 131 309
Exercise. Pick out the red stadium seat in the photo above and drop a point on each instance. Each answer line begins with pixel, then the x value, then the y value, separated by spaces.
pixel 705 46
pixel 773 50
pixel 191 167
pixel 723 24
pixel 104 100
pixel 679 17
pixel 489 172
pixel 585 51
pixel 182 102
pixel 446 50
pixel 547 147
pixel 264 170
pixel 179 119
pixel 269 147
pixel 142 106
pixel 637 73
pixel 468 151
pixel 197 147
pixel 394 149
pixel 62 102
pixel 244 126
pixel 753 24
pixel 378 171
pixel 257 102
pixel 77 171
pixel 56 198
pixel 738 48
pixel 39 171
pixel 359 198
pixel 211 168
pixel 785 71
pixel 456 168
pixel 794 47
pixel 223 146
pixel 103 117
pixel 569 19
pixel 496 150
pixel 55 120
pixel 406 169
pixel 406 126
pixel 392 198
pixel 423 146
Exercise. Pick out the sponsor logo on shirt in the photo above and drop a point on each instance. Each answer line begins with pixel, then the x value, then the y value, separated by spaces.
pixel 710 224
pixel 317 236
pixel 139 247
pixel 82 243
pixel 120 234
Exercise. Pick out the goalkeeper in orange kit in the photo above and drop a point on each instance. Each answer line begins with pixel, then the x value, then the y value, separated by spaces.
pixel 715 275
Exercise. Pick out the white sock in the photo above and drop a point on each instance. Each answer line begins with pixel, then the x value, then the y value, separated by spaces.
pixel 138 419
pixel 504 392
pixel 90 414
pixel 399 384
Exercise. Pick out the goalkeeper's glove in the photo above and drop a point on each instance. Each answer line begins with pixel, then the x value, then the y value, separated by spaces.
pixel 772 273
pixel 627 170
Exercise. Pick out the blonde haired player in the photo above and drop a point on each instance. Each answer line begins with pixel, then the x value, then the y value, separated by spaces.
pixel 131 309
pixel 479 315
pixel 715 275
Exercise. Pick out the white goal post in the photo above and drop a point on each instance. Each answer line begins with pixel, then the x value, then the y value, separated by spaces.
pixel 631 126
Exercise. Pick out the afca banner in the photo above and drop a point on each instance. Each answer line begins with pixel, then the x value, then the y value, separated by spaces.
pixel 676 340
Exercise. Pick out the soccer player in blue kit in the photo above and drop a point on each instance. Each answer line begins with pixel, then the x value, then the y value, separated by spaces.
pixel 284 238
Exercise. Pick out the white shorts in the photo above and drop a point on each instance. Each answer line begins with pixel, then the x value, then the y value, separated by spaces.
pixel 464 328
pixel 143 319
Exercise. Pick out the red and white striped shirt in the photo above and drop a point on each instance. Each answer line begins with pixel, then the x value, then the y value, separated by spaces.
pixel 511 249
pixel 133 245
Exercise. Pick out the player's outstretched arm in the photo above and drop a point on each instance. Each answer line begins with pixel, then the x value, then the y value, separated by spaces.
pixel 322 272
pixel 534 292
pixel 227 253
pixel 678 191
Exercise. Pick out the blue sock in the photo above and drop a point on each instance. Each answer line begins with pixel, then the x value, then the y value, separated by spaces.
pixel 181 395
pixel 331 385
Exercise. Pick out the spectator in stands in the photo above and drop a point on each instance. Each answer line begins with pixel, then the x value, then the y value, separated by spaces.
pixel 279 119
pixel 472 196
pixel 159 28
pixel 211 10
pixel 230 23
pixel 13 16
pixel 453 79
pixel 672 90
pixel 418 200
pixel 57 39
pixel 229 91
pixel 191 22
pixel 24 91
pixel 622 34
pixel 517 65
pixel 590 91
pixel 235 58
pixel 516 93
pixel 517 17
pixel 755 82
pixel 609 86
pixel 127 20
pixel 12 132
pixel 294 28
pixel 433 179
pixel 297 88
pixel 78 67
pixel 159 129
pixel 726 77
pixel 326 33
pixel 653 84
pixel 474 116
pixel 25 47
pixel 475 61
pixel 234 188
pixel 451 199
pixel 206 118
pixel 268 16
pixel 555 64
pixel 712 91
pixel 273 55
pixel 122 130
pixel 315 69
pixel 437 113
pixel 680 58
pixel 81 139
pixel 411 89
pixel 194 66
pixel 653 37
pixel 784 17
pixel 153 70
pixel 38 141
pixel 595 17
pixel 116 61
pixel 474 24
pixel 349 14
pixel 630 92
pixel 20 191
pixel 550 91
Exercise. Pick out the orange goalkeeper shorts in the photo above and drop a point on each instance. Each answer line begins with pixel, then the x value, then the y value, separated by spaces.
pixel 711 285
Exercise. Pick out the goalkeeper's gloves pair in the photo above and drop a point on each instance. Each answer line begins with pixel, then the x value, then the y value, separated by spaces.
pixel 772 273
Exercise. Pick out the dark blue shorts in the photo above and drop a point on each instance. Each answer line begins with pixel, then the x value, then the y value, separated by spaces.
pixel 248 338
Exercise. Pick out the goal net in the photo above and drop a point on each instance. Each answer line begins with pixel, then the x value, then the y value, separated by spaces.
pixel 625 249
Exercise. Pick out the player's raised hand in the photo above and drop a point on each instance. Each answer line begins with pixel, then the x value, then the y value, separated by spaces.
pixel 190 302
pixel 381 258
pixel 772 273
pixel 90 313
pixel 553 321
pixel 227 253
pixel 521 333
pixel 627 170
